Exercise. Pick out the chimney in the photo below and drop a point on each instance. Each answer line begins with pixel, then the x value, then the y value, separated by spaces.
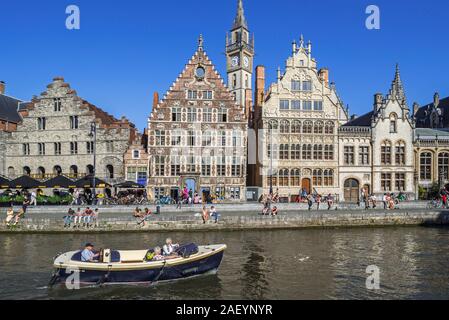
pixel 260 85
pixel 415 108
pixel 155 100
pixel 378 99
pixel 2 87
pixel 324 75
pixel 353 117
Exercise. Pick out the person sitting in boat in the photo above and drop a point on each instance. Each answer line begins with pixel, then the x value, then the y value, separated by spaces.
pixel 88 254
pixel 169 248
pixel 158 255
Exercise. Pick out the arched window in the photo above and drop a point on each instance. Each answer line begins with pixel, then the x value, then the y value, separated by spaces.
pixel 318 152
pixel 317 177
pixel 400 153
pixel 328 152
pixel 329 128
pixel 90 170
pixel 110 171
pixel 425 168
pixel 296 152
pixel 328 178
pixel 296 126
pixel 57 171
pixel 443 166
pixel 295 178
pixel 26 171
pixel 283 178
pixel 307 152
pixel 11 172
pixel 272 125
pixel 393 123
pixel 385 153
pixel 41 172
pixel 318 127
pixel 74 171
pixel 284 152
pixel 308 125
pixel 285 126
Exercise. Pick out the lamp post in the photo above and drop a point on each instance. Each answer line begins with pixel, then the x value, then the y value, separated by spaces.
pixel 93 134
pixel 271 160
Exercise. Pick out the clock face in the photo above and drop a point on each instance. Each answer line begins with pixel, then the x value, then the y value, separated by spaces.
pixel 246 61
pixel 235 61
pixel 200 72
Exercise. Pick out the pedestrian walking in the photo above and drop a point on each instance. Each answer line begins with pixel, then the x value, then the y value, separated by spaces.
pixel 33 199
pixel 318 201
pixel 330 201
pixel 309 201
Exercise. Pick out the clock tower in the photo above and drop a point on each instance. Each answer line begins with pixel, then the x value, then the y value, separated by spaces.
pixel 240 57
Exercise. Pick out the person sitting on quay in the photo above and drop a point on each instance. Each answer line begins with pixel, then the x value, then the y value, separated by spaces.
pixel 95 218
pixel 274 211
pixel 169 247
pixel 137 213
pixel 88 254
pixel 205 215
pixel 77 218
pixel 144 217
pixel 68 218
pixel 9 216
pixel 318 201
pixel 214 214
pixel 385 201
pixel 87 217
pixel 373 200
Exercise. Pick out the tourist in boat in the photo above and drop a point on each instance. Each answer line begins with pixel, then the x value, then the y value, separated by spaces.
pixel 9 216
pixel 88 254
pixel 169 247
pixel 158 255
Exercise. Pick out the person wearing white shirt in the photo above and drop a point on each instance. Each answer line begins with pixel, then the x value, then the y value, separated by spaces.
pixel 169 248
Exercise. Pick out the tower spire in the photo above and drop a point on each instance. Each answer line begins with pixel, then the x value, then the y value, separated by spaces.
pixel 240 20
pixel 397 89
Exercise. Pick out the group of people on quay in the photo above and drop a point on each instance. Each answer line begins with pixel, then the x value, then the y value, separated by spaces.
pixel 87 218
pixel 210 213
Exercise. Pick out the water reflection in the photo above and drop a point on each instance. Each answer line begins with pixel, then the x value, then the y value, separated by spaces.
pixel 293 264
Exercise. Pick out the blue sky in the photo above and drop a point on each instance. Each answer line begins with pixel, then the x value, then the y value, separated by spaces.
pixel 126 50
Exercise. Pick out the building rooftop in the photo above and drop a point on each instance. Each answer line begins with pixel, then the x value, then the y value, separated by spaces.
pixel 9 109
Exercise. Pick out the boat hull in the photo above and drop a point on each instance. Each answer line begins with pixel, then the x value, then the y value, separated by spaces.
pixel 139 273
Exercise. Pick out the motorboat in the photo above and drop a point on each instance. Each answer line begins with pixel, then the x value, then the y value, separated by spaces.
pixel 134 266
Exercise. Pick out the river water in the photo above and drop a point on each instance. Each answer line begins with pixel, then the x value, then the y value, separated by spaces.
pixel 282 264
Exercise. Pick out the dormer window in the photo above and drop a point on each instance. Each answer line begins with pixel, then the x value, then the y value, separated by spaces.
pixel 57 104
pixel 192 94
pixel 393 123
pixel 136 154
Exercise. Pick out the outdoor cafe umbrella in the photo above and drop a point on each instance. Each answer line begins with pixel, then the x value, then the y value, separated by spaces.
pixel 4 183
pixel 60 182
pixel 87 182
pixel 25 182
pixel 129 185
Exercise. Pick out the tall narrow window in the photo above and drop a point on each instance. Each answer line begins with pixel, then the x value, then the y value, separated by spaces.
pixel 364 155
pixel 207 115
pixel 385 153
pixel 285 126
pixel 41 148
pixel 425 169
pixel 317 177
pixel 393 123
pixel 318 127
pixel 283 178
pixel 443 166
pixel 284 104
pixel 318 152
pixel 308 126
pixel 191 115
pixel 206 166
pixel 191 138
pixel 307 152
pixel 349 155
pixel 328 152
pixel 385 181
pixel 221 166
pixel 74 147
pixel 74 122
pixel 26 149
pixel 159 165
pixel 159 137
pixel 57 104
pixel 41 123
pixel 57 146
pixel 400 153
pixel 399 181
pixel 90 147
pixel 296 85
pixel 307 85
pixel 176 114
pixel 175 166
pixel 222 115
pixel 236 167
